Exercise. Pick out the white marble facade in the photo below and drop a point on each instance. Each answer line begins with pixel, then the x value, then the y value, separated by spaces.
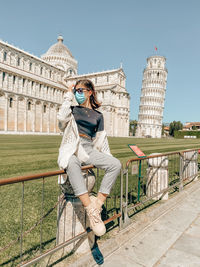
pixel 31 91
pixel 152 98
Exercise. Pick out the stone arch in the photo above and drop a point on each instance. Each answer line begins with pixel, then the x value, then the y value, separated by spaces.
pixel 11 102
pixel 45 116
pixel 11 109
pixel 29 115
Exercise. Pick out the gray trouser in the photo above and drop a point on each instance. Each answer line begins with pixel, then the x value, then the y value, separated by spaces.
pixel 110 164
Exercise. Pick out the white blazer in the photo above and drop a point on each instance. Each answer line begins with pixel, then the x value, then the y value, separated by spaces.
pixel 70 143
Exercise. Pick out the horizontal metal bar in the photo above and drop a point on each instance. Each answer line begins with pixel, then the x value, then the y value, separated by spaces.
pixel 36 176
pixel 68 242
pixel 160 155
pixel 51 251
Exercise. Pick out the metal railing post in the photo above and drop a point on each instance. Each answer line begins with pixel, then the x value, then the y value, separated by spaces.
pixel 121 198
pixel 139 180
pixel 42 213
pixel 181 171
pixel 22 222
pixel 127 220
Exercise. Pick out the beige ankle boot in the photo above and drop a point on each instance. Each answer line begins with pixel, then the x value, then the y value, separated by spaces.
pixel 97 202
pixel 94 215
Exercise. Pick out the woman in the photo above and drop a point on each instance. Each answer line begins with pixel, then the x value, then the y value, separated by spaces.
pixel 85 141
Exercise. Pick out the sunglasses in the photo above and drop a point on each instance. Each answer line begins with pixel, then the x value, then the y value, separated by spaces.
pixel 80 90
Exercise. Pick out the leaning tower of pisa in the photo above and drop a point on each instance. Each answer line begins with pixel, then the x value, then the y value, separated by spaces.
pixel 152 98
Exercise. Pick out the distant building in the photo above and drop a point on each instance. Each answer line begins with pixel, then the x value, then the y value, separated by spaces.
pixel 152 98
pixel 166 130
pixel 31 91
pixel 189 126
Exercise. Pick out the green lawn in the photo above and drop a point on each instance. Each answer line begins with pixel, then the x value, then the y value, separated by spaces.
pixel 28 154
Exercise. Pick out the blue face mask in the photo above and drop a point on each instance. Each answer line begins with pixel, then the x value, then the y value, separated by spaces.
pixel 80 98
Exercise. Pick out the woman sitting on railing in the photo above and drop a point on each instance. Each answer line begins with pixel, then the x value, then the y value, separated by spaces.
pixel 85 141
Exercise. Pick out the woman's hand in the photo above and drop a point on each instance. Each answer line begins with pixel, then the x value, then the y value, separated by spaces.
pixel 71 87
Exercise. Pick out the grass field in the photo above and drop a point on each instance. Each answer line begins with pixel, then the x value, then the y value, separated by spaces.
pixel 28 154
pixel 34 154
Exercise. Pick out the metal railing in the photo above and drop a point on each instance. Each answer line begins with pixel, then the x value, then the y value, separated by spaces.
pixel 30 233
pixel 152 178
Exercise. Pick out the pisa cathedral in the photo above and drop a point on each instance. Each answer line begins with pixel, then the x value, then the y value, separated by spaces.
pixel 32 90
pixel 152 98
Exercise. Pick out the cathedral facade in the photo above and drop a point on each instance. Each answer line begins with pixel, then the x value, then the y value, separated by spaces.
pixel 32 90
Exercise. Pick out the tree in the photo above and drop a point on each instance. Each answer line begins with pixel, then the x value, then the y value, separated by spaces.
pixel 132 127
pixel 175 126
pixel 194 127
pixel 163 126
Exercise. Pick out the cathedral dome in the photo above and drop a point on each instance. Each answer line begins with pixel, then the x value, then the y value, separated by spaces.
pixel 59 49
pixel 60 56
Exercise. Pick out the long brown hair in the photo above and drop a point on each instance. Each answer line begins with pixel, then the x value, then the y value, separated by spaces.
pixel 93 98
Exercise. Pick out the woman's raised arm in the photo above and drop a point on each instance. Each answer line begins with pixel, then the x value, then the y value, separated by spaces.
pixel 65 111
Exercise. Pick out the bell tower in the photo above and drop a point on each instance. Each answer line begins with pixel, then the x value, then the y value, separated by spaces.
pixel 152 98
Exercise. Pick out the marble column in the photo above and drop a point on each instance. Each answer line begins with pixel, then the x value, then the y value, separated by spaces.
pixel 6 81
pixel 10 83
pixel 6 113
pixel 17 84
pixel 48 119
pixel 116 123
pixel 113 123
pixel 34 116
pixel 16 113
pixel 25 114
pixel 55 117
pixel 41 122
pixel 1 75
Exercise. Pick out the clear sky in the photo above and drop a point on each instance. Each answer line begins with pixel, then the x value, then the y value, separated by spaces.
pixel 101 34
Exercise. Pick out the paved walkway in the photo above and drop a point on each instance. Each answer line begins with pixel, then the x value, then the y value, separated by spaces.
pixel 171 240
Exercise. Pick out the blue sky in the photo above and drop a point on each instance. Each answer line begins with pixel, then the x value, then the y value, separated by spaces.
pixel 101 34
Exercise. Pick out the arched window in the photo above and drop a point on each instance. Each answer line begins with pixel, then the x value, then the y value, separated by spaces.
pixel 4 75
pixel 45 107
pixel 29 105
pixel 11 102
pixel 158 75
pixel 5 56
pixel 18 61
pixel 30 66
